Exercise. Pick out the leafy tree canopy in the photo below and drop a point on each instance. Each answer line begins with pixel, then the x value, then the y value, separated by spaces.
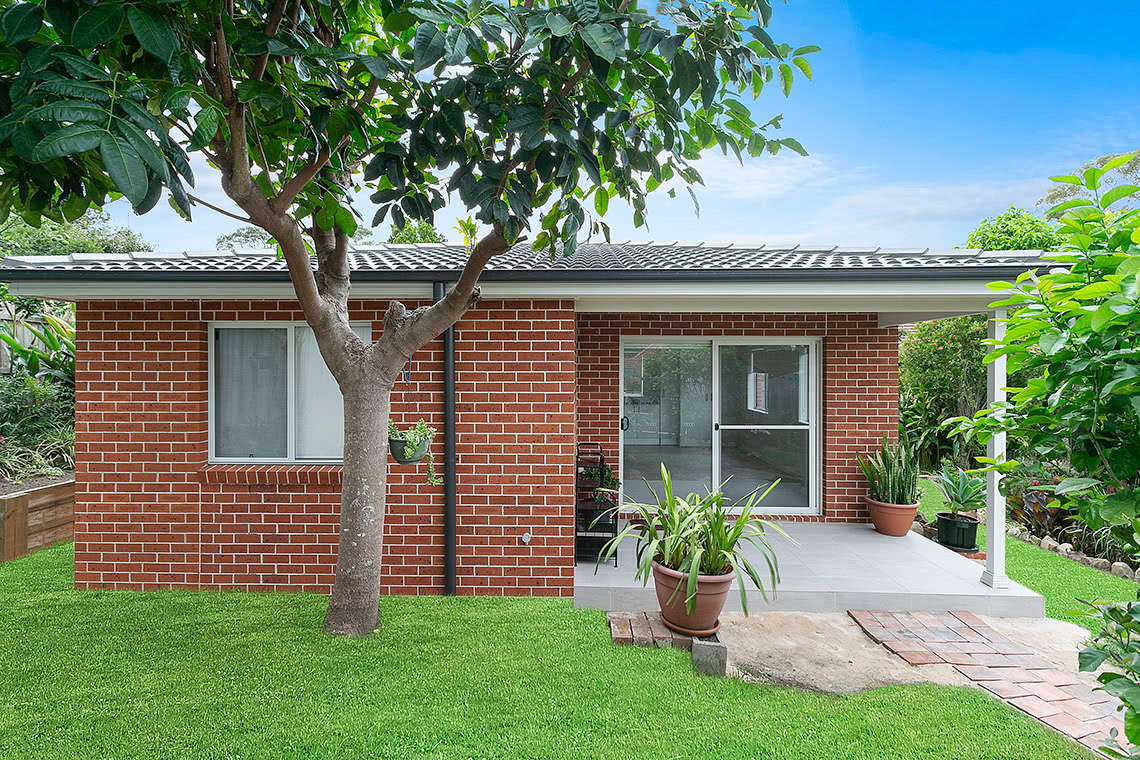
pixel 91 233
pixel 248 236
pixel 1015 230
pixel 1125 173
pixel 1072 335
pixel 415 232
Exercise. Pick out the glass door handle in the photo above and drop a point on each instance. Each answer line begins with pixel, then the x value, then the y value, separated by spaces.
pixel 624 422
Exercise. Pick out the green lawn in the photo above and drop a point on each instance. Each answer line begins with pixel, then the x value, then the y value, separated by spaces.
pixel 1061 581
pixel 181 674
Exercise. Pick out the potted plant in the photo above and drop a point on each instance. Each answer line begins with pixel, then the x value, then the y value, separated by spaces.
pixel 412 445
pixel 693 547
pixel 892 476
pixel 963 492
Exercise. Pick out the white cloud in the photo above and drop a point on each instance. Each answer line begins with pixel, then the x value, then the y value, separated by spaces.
pixel 768 176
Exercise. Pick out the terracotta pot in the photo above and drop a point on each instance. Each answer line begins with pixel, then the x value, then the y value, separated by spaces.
pixel 712 590
pixel 891 519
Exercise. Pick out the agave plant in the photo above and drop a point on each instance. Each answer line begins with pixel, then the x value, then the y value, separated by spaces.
pixel 892 472
pixel 50 354
pixel 700 535
pixel 961 490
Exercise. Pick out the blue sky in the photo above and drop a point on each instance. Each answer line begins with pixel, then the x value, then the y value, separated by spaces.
pixel 922 119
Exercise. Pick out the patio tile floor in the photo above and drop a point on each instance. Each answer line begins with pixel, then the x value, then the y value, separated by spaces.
pixel 831 567
pixel 1010 671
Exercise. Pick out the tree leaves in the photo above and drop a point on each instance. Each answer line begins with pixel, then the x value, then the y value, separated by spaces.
pixel 97 25
pixel 428 46
pixel 1117 193
pixel 124 167
pixel 68 141
pixel 68 111
pixel 605 40
pixel 21 22
pixel 155 36
pixel 586 10
pixel 559 25
pixel 785 79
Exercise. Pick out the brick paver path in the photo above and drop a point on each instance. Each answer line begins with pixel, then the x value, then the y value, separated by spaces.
pixel 1003 667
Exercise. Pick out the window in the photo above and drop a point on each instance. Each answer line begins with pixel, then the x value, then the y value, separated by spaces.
pixel 271 396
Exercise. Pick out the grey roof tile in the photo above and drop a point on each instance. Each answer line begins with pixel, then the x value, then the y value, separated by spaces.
pixel 650 259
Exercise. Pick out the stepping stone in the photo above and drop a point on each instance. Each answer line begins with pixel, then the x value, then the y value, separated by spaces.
pixel 1035 706
pixel 921 658
pixel 1005 689
pixel 1058 677
pixel 1046 691
pixel 1070 726
pixel 980 673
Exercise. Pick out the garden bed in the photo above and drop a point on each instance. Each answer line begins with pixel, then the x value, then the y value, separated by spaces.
pixel 36 515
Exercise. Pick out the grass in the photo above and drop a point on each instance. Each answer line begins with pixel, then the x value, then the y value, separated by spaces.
pixel 1061 581
pixel 211 675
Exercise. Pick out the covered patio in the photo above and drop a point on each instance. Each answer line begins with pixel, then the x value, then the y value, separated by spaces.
pixel 833 567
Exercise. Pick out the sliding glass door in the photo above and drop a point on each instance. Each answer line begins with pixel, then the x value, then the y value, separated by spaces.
pixel 739 411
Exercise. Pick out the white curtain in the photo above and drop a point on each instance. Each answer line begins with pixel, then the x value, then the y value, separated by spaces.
pixel 250 392
pixel 320 409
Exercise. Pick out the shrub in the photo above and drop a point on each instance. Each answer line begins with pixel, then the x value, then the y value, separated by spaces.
pixel 1118 645
pixel 941 375
pixel 1072 333
pixel 37 427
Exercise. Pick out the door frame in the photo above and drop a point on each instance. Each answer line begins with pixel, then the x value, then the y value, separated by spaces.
pixel 815 401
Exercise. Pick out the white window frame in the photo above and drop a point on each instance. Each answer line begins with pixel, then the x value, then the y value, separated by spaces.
pixel 814 396
pixel 290 395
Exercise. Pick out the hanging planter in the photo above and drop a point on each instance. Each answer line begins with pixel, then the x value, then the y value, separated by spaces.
pixel 411 445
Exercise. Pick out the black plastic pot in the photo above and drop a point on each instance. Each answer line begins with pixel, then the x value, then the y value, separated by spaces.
pixel 398 448
pixel 958 532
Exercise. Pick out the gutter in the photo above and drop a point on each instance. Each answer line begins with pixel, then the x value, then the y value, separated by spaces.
pixel 439 290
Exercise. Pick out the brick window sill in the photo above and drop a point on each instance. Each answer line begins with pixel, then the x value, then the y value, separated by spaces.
pixel 272 474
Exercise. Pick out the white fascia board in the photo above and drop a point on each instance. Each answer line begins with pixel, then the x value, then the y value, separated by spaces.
pixel 940 296
pixel 105 290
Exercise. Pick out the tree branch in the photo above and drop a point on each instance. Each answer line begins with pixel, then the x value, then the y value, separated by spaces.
pixel 271 27
pixel 408 332
pixel 212 207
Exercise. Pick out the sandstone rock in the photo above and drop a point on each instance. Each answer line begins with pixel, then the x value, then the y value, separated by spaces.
pixel 1048 544
pixel 1078 557
pixel 916 527
pixel 1065 549
pixel 1122 570
pixel 1100 563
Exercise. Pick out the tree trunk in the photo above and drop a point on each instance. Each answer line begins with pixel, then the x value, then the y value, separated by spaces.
pixel 353 607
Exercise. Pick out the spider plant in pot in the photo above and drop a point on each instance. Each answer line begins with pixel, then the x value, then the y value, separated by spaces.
pixel 963 492
pixel 411 445
pixel 892 479
pixel 693 547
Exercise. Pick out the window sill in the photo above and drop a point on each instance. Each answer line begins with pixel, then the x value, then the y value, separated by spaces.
pixel 271 474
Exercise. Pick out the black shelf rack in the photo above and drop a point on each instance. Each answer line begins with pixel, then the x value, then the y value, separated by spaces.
pixel 595 520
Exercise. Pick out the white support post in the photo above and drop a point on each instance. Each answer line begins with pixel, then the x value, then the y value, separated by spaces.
pixel 994 574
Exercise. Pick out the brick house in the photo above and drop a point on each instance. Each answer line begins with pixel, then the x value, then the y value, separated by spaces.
pixel 208 430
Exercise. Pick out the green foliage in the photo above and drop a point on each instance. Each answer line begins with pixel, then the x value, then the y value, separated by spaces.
pixel 1128 172
pixel 1015 230
pixel 37 427
pixel 412 438
pixel 523 110
pixel 697 535
pixel 891 472
pixel 415 231
pixel 961 489
pixel 610 484
pixel 1117 645
pixel 941 375
pixel 1072 333
pixel 51 353
pixel 243 237
pixel 91 233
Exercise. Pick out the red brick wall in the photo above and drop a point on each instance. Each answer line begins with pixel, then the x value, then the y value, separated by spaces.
pixel 860 384
pixel 151 513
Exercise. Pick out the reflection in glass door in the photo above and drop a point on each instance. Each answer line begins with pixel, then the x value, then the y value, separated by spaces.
pixel 765 422
pixel 666 416
pixel 733 409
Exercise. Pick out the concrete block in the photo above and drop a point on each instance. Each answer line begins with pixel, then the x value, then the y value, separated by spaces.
pixel 710 656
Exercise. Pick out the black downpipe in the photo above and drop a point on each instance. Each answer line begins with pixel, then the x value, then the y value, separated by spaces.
pixel 438 292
